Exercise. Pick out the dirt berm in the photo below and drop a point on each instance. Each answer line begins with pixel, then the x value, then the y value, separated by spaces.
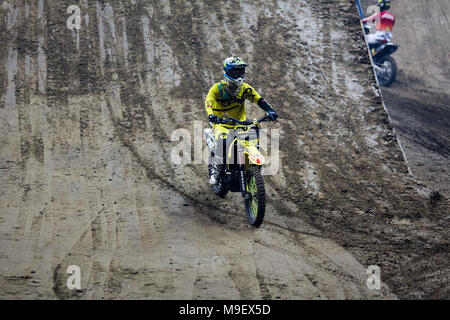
pixel 86 120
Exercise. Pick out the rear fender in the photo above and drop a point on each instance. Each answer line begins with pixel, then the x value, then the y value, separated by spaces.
pixel 387 51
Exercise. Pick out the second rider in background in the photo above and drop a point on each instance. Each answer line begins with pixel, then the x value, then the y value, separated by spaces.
pixel 385 22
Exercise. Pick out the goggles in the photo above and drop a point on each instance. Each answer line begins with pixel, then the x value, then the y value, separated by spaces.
pixel 236 73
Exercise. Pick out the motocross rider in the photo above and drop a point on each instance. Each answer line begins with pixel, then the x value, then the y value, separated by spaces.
pixel 385 24
pixel 228 97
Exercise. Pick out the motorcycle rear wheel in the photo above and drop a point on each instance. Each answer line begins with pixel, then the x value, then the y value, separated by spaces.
pixel 255 205
pixel 388 63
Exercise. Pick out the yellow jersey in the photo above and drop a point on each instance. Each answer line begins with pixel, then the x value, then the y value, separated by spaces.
pixel 219 102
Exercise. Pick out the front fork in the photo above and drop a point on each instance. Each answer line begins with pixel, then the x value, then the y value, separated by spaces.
pixel 244 192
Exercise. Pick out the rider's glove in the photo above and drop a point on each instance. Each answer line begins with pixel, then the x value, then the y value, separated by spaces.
pixel 215 119
pixel 273 115
pixel 267 108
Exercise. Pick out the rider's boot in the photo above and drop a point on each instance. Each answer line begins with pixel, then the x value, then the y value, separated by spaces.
pixel 216 173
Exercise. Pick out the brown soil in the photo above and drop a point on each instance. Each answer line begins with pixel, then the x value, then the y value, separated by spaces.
pixel 86 177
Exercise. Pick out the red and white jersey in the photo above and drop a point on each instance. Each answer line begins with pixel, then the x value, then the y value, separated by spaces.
pixel 385 21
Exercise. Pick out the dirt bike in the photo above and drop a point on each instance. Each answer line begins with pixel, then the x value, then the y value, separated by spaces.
pixel 243 163
pixel 385 66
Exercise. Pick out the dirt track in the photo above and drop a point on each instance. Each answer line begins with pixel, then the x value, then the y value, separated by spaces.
pixel 86 177
pixel 419 101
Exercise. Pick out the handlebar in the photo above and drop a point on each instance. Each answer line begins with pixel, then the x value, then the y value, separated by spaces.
pixel 245 123
pixel 367 29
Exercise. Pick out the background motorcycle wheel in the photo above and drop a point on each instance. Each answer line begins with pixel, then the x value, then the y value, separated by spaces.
pixel 387 62
pixel 219 190
pixel 255 206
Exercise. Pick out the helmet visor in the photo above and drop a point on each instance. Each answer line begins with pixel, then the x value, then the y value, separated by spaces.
pixel 236 73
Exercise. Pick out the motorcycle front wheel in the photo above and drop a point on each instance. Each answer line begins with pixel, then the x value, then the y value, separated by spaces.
pixel 387 75
pixel 255 205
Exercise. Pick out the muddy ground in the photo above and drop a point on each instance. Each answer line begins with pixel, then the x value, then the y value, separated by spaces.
pixel 418 101
pixel 87 178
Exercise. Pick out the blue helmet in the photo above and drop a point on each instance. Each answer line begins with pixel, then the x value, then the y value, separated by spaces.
pixel 384 4
pixel 234 70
